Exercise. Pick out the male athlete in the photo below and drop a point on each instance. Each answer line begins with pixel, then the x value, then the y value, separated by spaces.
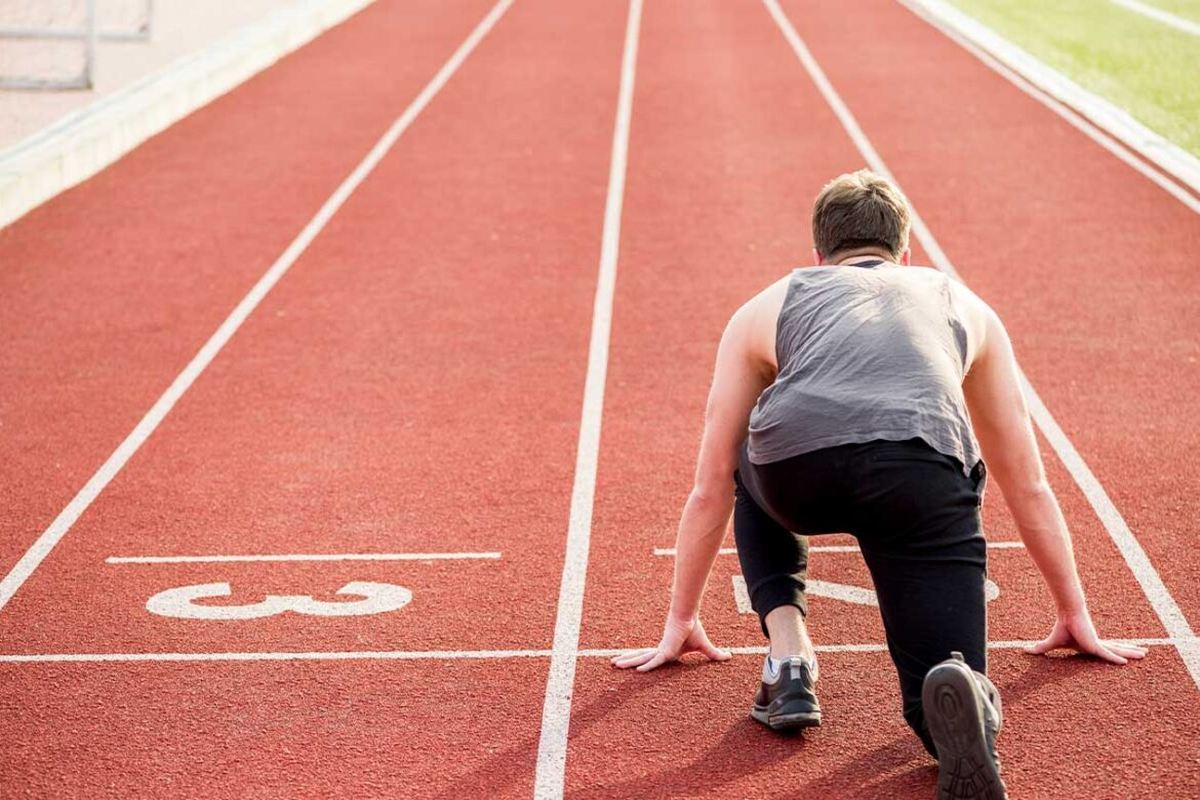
pixel 861 396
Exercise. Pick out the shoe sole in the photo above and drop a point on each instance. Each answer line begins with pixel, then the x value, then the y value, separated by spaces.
pixel 786 722
pixel 954 714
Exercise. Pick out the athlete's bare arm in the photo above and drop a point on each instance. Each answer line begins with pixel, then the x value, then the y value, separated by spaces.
pixel 1002 425
pixel 745 366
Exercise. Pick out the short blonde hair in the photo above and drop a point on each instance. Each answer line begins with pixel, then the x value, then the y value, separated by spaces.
pixel 860 209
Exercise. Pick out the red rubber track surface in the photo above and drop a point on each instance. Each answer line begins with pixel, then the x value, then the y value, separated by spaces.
pixel 111 288
pixel 414 385
pixel 730 142
pixel 293 729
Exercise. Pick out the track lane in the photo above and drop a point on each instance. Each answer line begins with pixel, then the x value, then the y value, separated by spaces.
pixel 361 729
pixel 107 290
pixel 412 385
pixel 1090 264
pixel 688 733
pixel 409 386
pixel 730 144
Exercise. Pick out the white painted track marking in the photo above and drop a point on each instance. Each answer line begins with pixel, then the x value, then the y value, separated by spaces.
pixel 880 647
pixel 844 592
pixel 1164 605
pixel 1159 15
pixel 741 595
pixel 180 602
pixel 832 548
pixel 334 655
pixel 457 655
pixel 49 538
pixel 556 711
pixel 225 559
pixel 1103 122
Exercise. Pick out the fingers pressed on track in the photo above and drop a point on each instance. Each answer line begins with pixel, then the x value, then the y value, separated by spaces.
pixel 1127 650
pixel 713 652
pixel 656 661
pixel 634 658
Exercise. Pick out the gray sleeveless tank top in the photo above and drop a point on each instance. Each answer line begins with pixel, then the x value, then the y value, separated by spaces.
pixel 865 353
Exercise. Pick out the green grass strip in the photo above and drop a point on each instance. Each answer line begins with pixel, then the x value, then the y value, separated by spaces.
pixel 1148 68
pixel 1188 9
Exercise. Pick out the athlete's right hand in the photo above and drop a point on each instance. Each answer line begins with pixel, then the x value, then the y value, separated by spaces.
pixel 1076 631
pixel 679 637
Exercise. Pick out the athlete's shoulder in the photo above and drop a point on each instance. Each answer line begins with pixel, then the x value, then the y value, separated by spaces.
pixel 980 320
pixel 752 326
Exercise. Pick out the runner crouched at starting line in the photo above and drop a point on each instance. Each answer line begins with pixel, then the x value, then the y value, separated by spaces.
pixel 860 396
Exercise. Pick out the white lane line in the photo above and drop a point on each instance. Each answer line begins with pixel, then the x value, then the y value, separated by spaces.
pixel 456 655
pixel 220 559
pixel 670 551
pixel 1164 605
pixel 1159 15
pixel 346 655
pixel 556 711
pixel 46 542
pixel 1105 123
pixel 833 548
pixel 880 647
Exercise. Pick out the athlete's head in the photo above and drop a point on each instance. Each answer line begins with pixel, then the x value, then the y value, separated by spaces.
pixel 860 213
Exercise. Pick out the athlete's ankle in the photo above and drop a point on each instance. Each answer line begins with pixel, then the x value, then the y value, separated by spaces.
pixel 802 649
pixel 788 634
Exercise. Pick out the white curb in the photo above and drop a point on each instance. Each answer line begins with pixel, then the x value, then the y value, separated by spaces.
pixel 82 143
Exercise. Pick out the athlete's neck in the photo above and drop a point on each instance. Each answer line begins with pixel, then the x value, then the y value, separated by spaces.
pixel 863 257
pixel 863 254
pixel 849 257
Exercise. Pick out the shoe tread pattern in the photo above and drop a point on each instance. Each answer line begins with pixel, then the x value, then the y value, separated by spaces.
pixel 955 715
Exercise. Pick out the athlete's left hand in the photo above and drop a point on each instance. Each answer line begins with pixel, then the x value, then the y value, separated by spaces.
pixel 679 637
pixel 1077 632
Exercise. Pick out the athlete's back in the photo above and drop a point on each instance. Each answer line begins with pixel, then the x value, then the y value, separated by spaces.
pixel 863 353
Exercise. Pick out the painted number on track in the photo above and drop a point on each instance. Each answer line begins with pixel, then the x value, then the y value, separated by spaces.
pixel 836 591
pixel 181 602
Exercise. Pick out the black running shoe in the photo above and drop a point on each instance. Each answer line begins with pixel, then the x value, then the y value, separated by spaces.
pixel 963 715
pixel 788 699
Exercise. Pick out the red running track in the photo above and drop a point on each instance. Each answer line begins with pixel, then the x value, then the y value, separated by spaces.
pixel 413 385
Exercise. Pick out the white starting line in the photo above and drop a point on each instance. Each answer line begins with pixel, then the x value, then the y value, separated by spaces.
pixel 833 548
pixel 225 559
pixel 466 655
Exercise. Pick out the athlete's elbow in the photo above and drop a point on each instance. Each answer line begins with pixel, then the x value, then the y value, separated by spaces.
pixel 711 495
pixel 1028 495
